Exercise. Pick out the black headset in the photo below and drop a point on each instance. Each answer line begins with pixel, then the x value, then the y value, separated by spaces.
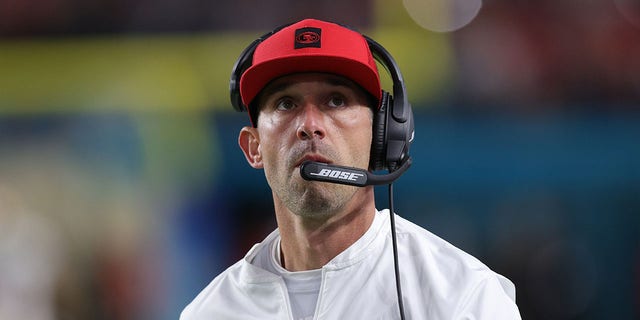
pixel 393 127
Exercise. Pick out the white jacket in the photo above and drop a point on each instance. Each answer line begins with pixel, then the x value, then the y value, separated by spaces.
pixel 439 281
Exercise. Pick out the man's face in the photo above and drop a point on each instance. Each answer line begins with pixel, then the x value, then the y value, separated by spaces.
pixel 311 116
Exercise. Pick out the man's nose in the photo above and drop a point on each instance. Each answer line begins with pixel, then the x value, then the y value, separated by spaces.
pixel 311 123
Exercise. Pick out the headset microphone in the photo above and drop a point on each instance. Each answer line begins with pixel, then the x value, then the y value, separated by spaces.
pixel 319 171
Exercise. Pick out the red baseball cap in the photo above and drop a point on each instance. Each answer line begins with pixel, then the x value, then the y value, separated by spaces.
pixel 311 46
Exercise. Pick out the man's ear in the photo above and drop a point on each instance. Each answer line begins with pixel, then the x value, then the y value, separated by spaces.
pixel 249 142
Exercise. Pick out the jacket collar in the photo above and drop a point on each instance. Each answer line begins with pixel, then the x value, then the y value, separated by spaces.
pixel 363 247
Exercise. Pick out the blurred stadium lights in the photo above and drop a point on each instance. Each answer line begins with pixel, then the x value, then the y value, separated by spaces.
pixel 442 15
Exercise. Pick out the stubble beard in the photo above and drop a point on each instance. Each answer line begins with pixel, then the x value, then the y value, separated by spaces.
pixel 310 199
pixel 315 200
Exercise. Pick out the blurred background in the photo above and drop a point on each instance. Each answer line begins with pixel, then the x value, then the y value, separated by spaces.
pixel 123 193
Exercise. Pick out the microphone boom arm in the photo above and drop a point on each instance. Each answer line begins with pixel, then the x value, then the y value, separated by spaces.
pixel 318 171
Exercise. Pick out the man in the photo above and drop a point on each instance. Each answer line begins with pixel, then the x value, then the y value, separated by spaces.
pixel 312 89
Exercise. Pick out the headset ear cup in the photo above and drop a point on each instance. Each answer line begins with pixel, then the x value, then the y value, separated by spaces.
pixel 398 136
pixel 379 136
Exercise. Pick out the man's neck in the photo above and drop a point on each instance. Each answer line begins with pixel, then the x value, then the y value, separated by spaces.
pixel 308 244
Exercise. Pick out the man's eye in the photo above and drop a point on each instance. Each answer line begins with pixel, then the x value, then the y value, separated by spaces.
pixel 336 102
pixel 285 104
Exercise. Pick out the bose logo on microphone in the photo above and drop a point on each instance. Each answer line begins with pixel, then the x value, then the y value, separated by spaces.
pixel 342 175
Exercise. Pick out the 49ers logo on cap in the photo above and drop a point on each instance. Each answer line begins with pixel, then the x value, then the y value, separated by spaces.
pixel 307 38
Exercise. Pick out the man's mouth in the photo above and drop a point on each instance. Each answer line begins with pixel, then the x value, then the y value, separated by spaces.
pixel 313 157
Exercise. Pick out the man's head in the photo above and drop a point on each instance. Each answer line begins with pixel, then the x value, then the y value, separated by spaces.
pixel 313 92
pixel 306 46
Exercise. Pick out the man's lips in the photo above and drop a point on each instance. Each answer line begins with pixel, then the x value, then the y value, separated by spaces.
pixel 313 157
